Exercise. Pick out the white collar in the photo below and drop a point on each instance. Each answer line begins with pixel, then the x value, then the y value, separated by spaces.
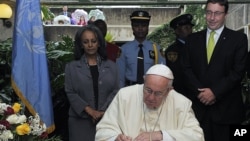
pixel 217 31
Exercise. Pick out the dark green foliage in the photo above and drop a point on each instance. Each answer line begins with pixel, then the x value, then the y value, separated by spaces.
pixel 198 16
pixel 7 94
pixel 47 14
pixel 59 53
pixel 163 36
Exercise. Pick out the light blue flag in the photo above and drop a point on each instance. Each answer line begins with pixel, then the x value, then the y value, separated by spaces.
pixel 30 78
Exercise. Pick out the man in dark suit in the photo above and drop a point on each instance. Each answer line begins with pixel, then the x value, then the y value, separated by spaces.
pixel 182 26
pixel 65 11
pixel 214 83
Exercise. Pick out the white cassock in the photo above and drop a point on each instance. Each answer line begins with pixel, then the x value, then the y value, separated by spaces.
pixel 127 114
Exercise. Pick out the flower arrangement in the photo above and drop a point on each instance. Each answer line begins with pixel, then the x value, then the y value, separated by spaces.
pixel 16 126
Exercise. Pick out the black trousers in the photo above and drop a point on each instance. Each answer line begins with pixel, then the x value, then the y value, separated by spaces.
pixel 214 131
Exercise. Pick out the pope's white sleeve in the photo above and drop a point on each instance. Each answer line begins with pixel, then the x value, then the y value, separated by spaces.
pixel 166 136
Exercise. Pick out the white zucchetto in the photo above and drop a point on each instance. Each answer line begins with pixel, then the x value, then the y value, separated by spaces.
pixel 162 70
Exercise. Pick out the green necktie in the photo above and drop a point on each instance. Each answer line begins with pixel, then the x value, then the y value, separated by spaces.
pixel 210 46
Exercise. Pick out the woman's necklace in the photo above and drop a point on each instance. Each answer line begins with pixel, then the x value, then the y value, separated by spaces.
pixel 155 122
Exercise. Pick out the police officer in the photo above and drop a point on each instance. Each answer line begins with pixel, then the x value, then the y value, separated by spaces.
pixel 182 26
pixel 128 60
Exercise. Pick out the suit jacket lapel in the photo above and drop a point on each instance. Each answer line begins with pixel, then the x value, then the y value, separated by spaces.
pixel 204 46
pixel 83 68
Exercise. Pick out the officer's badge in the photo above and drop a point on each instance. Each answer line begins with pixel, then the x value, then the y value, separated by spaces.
pixel 151 54
pixel 172 56
pixel 140 14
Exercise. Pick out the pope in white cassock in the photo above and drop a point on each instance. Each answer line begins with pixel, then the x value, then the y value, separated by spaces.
pixel 153 111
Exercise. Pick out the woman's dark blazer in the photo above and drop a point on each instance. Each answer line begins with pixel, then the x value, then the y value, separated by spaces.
pixel 79 86
pixel 223 75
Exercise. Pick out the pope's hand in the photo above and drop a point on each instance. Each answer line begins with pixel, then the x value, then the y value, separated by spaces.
pixel 122 137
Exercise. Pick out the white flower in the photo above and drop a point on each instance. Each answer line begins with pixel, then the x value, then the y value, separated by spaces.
pixel 35 125
pixel 64 19
pixel 16 119
pixel 5 135
pixel 3 107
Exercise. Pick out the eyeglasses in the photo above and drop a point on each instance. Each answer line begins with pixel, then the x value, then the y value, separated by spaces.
pixel 156 93
pixel 216 14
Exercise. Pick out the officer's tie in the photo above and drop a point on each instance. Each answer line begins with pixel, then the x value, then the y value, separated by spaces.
pixel 210 45
pixel 140 65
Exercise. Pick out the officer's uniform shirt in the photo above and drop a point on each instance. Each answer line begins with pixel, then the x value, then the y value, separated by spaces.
pixel 173 60
pixel 127 62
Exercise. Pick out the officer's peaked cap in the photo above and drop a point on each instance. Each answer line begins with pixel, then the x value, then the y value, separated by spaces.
pixel 140 15
pixel 185 19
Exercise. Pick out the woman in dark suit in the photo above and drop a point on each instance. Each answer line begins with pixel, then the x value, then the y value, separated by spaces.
pixel 91 82
pixel 215 84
